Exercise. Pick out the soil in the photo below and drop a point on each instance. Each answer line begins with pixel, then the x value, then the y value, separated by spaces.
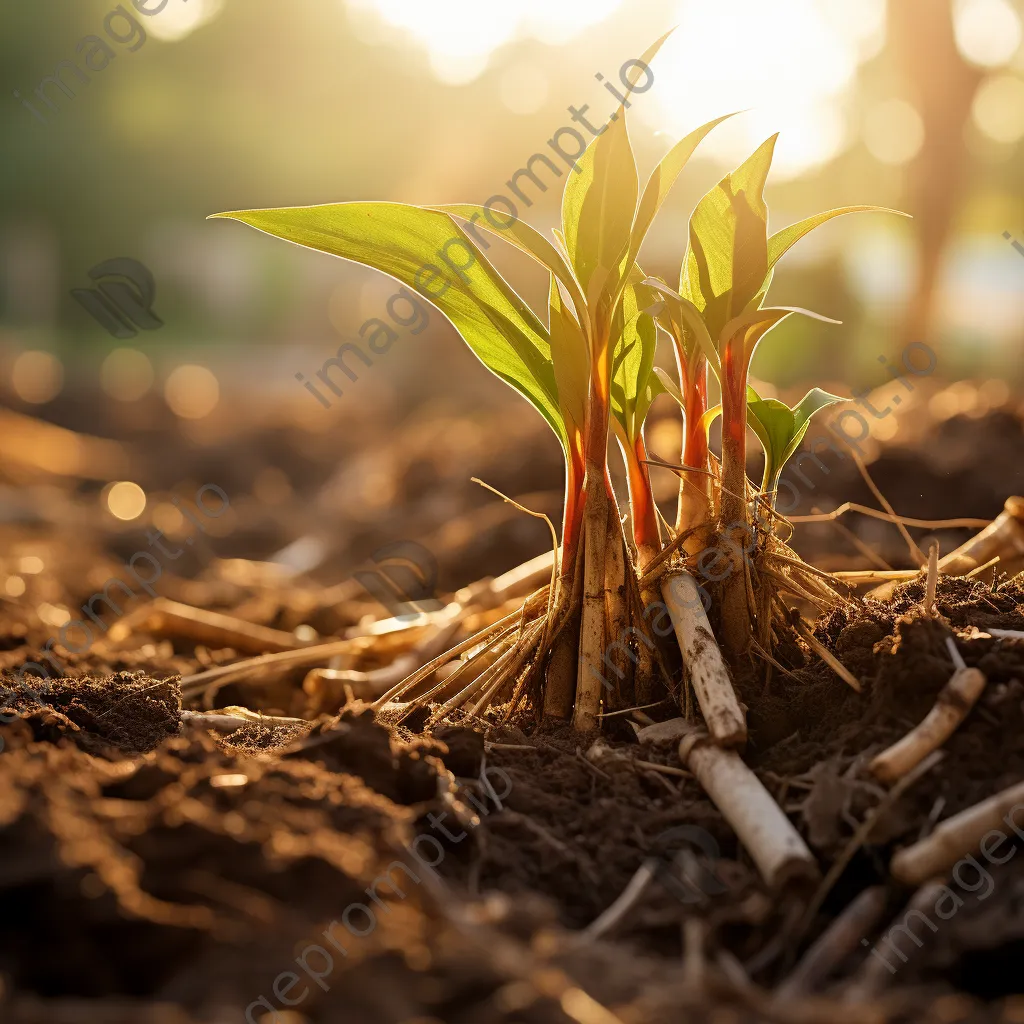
pixel 156 869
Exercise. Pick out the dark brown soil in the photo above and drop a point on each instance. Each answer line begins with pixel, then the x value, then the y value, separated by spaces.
pixel 154 870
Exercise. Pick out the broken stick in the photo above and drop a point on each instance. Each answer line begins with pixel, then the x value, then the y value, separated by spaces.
pixel 703 660
pixel 957 837
pixel 952 706
pixel 768 835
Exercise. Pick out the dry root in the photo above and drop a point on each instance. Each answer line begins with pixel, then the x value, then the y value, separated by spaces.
pixel 768 835
pixel 957 837
pixel 703 661
pixel 952 706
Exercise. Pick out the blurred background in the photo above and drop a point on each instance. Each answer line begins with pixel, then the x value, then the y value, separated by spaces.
pixel 162 118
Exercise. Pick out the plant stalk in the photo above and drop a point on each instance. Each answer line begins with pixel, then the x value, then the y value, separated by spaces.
pixel 593 633
pixel 695 502
pixel 560 674
pixel 736 530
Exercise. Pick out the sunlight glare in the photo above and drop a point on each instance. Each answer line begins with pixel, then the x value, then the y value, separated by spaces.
pixel 786 61
pixel 461 35
pixel 181 20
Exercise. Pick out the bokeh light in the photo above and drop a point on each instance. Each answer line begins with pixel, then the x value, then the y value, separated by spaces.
pixel 998 108
pixel 37 377
pixel 176 21
pixel 168 519
pixel 988 32
pixel 893 132
pixel 126 374
pixel 126 500
pixel 192 392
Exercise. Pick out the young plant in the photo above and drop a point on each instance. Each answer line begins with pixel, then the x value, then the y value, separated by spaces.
pixel 726 273
pixel 781 429
pixel 587 371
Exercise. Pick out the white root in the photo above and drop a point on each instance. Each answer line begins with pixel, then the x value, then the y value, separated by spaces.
pixel 768 835
pixel 371 685
pixel 952 706
pixel 629 897
pixel 1001 541
pixel 523 579
pixel 233 717
pixel 841 938
pixel 1005 634
pixel 932 581
pixel 1002 538
pixel 704 662
pixel 956 837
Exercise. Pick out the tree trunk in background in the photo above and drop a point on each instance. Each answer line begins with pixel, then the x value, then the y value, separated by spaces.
pixel 941 86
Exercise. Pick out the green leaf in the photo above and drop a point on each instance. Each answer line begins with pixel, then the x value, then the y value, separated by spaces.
pixel 632 363
pixel 773 422
pixel 727 259
pixel 599 204
pixel 428 251
pixel 570 358
pixel 708 419
pixel 528 239
pixel 780 429
pixel 810 405
pixel 669 386
pixel 684 320
pixel 752 326
pixel 664 177
pixel 782 241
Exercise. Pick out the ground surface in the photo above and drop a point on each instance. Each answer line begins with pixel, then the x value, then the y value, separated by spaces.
pixel 153 869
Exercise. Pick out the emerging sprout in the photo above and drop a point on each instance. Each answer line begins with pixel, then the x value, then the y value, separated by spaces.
pixel 780 430
pixel 588 371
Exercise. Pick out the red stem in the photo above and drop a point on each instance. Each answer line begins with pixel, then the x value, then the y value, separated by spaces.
pixel 641 498
pixel 695 449
pixel 734 437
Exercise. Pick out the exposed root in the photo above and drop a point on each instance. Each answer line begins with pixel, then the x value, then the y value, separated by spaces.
pixel 768 835
pixel 826 655
pixel 957 837
pixel 627 899
pixel 952 706
pixel 703 661
pixel 166 618
pixel 836 943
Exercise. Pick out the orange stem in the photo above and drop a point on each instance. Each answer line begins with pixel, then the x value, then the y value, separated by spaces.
pixel 646 533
